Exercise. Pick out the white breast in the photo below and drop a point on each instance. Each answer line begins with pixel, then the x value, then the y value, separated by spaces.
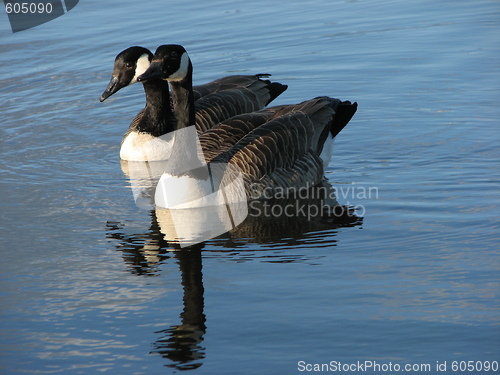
pixel 144 147
pixel 223 185
pixel 200 209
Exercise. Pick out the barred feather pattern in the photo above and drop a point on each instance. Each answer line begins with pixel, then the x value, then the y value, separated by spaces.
pixel 133 125
pixel 228 133
pixel 226 83
pixel 222 105
pixel 278 147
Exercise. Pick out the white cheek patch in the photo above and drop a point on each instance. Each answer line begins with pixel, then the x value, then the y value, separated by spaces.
pixel 181 73
pixel 142 65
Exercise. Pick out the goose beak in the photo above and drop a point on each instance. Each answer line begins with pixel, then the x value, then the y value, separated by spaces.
pixel 111 89
pixel 154 71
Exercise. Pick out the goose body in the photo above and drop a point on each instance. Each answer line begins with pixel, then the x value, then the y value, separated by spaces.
pixel 213 102
pixel 290 150
pixel 275 149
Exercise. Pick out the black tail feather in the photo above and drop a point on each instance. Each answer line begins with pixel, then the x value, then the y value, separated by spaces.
pixel 343 115
pixel 275 90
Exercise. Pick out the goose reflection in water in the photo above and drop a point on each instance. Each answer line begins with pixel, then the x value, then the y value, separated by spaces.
pixel 144 253
pixel 182 343
pixel 267 223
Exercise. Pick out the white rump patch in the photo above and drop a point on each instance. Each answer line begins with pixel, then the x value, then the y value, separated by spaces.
pixel 326 153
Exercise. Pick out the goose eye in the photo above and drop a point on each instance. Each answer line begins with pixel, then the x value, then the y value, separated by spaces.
pixel 129 65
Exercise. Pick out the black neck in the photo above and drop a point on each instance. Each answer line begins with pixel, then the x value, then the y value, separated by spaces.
pixel 183 100
pixel 158 118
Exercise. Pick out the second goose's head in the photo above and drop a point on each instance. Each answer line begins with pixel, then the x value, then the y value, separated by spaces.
pixel 170 62
pixel 129 64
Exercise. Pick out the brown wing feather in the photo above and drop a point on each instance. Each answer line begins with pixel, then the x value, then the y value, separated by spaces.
pixel 242 94
pixel 276 148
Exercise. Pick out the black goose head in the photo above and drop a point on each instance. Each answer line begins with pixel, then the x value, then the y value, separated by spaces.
pixel 170 62
pixel 129 64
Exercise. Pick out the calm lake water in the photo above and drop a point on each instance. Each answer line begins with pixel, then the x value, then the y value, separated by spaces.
pixel 90 285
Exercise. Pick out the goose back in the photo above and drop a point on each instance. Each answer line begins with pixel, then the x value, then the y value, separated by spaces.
pixel 321 111
pixel 234 82
pixel 217 107
pixel 282 146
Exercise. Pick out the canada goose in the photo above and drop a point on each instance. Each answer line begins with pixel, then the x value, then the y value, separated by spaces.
pixel 276 149
pixel 215 101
